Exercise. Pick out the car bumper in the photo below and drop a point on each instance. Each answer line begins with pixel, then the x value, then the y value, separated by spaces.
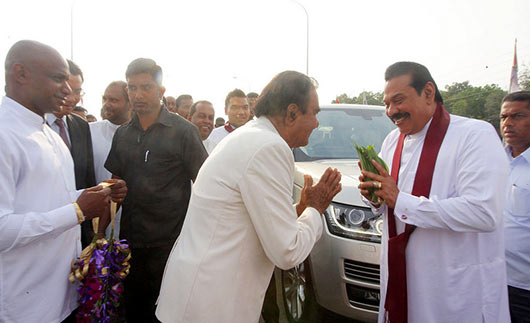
pixel 345 275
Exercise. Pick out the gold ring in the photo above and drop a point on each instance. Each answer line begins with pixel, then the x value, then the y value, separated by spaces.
pixel 377 185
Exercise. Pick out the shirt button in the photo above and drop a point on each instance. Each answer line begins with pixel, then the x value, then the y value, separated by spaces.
pixel 404 217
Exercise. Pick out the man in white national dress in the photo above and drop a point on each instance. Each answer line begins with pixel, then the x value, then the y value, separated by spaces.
pixel 442 247
pixel 241 221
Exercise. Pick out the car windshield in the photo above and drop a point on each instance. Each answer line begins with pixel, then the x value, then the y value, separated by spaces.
pixel 340 128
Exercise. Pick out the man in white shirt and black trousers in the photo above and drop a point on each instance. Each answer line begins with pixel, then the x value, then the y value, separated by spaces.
pixel 40 209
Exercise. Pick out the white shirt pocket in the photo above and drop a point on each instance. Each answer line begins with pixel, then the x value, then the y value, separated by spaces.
pixel 520 200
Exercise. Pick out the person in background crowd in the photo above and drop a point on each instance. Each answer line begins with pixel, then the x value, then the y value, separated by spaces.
pixel 252 98
pixel 254 226
pixel 115 102
pixel 91 118
pixel 515 129
pixel 236 108
pixel 159 154
pixel 442 244
pixel 201 115
pixel 219 122
pixel 80 111
pixel 75 133
pixel 183 104
pixel 40 210
pixel 171 104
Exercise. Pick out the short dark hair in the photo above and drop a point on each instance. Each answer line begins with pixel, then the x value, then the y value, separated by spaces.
pixel 519 96
pixel 252 95
pixel 420 76
pixel 80 109
pixel 220 119
pixel 236 93
pixel 123 86
pixel 194 106
pixel 181 98
pixel 145 65
pixel 284 89
pixel 75 69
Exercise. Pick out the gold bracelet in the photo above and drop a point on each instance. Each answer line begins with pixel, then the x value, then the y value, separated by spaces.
pixel 79 212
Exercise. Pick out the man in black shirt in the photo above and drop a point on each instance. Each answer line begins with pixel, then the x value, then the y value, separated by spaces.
pixel 158 153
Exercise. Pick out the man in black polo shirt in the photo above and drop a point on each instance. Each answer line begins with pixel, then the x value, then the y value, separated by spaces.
pixel 158 153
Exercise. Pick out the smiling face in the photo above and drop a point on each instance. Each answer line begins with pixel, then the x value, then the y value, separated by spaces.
pixel 48 83
pixel 115 105
pixel 203 119
pixel 408 110
pixel 515 125
pixel 75 82
pixel 237 111
pixel 304 123
pixel 144 93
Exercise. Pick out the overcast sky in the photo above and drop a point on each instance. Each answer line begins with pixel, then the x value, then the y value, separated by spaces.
pixel 206 48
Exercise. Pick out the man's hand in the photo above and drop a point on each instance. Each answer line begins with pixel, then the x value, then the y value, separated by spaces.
pixel 118 190
pixel 320 195
pixel 94 201
pixel 386 186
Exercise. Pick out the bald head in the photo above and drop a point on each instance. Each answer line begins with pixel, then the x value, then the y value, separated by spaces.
pixel 36 76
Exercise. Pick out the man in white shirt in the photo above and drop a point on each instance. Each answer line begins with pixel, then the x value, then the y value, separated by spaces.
pixel 442 256
pixel 117 111
pixel 221 265
pixel 201 115
pixel 40 210
pixel 515 129
pixel 236 108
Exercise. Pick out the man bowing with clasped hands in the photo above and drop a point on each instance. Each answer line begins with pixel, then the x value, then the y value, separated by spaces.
pixel 442 247
pixel 241 221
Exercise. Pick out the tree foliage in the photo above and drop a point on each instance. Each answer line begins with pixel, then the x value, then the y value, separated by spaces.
pixel 372 98
pixel 524 78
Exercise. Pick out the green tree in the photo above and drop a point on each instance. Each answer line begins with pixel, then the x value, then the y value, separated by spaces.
pixel 372 98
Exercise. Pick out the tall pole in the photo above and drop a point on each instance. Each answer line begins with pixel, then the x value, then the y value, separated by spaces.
pixel 72 31
pixel 307 37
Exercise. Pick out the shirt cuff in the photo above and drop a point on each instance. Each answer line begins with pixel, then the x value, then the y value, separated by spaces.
pixel 65 217
pixel 405 206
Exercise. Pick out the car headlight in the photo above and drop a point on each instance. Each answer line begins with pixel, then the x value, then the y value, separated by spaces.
pixel 354 222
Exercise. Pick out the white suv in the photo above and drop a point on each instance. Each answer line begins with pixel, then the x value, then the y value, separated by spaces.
pixel 342 272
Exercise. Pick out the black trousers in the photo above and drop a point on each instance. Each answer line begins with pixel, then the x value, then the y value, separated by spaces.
pixel 270 311
pixel 519 304
pixel 142 285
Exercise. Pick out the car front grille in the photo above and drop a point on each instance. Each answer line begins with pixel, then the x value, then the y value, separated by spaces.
pixel 361 271
pixel 361 297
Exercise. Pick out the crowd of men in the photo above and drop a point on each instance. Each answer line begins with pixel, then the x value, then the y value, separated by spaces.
pixel 456 203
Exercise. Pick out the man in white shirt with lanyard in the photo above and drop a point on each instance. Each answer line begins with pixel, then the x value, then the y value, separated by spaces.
pixel 236 108
pixel 515 129
pixel 442 248
pixel 117 112
pixel 40 210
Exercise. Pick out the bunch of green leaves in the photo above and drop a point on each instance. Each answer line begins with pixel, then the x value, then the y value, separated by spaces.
pixel 366 155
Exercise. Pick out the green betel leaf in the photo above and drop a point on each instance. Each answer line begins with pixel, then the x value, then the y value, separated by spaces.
pixel 366 155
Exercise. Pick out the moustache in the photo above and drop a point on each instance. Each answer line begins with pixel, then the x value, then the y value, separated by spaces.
pixel 399 115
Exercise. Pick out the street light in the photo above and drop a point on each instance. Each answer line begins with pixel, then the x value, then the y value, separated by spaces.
pixel 307 37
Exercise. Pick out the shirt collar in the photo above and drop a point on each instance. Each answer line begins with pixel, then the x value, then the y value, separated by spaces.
pixel 50 118
pixel 164 118
pixel 29 117
pixel 525 154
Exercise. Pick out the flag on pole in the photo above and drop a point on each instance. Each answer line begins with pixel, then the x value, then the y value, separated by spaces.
pixel 514 81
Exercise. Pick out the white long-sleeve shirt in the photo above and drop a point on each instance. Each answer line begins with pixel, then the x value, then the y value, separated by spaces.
pixel 455 257
pixel 517 221
pixel 39 234
pixel 102 133
pixel 240 224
